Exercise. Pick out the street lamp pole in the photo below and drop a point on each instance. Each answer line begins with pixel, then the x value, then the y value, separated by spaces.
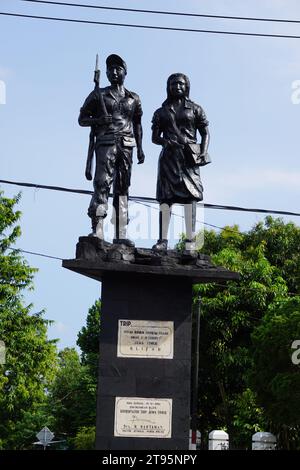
pixel 195 374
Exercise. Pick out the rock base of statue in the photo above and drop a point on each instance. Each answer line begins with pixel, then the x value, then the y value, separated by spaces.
pixel 144 388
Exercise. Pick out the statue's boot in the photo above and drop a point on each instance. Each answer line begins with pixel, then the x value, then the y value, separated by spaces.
pixel 160 245
pixel 97 228
pixel 120 220
pixel 120 237
pixel 190 224
pixel 164 222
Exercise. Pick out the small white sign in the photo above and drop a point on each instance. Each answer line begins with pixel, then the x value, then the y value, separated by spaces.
pixel 143 417
pixel 45 436
pixel 146 339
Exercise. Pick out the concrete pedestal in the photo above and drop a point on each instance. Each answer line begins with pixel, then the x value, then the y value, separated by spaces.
pixel 143 399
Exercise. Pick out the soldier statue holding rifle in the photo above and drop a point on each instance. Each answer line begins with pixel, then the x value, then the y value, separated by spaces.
pixel 114 115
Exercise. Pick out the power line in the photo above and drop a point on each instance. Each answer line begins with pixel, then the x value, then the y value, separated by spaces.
pixel 160 12
pixel 182 217
pixel 151 200
pixel 151 27
pixel 44 186
pixel 19 250
pixel 249 209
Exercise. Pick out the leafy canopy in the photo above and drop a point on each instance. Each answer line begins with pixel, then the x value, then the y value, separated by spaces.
pixel 30 357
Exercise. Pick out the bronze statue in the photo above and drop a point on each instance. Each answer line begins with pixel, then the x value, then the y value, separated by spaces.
pixel 175 126
pixel 114 115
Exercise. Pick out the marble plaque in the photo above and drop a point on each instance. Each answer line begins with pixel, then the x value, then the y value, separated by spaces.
pixel 146 339
pixel 143 417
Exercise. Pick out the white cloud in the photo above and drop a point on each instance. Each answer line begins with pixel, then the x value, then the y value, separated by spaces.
pixel 5 72
pixel 61 327
pixel 2 92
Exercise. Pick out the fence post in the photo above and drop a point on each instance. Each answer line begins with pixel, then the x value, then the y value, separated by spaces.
pixel 218 440
pixel 263 441
pixel 194 441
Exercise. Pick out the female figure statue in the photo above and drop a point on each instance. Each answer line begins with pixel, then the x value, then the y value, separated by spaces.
pixel 174 127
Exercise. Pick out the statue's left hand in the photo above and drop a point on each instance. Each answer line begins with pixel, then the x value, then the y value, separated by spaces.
pixel 88 173
pixel 140 156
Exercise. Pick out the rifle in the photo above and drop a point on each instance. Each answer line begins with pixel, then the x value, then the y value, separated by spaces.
pixel 101 111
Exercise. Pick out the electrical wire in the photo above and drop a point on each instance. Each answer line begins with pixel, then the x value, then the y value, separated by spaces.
pixel 151 200
pixel 182 217
pixel 138 200
pixel 215 284
pixel 150 27
pixel 160 12
pixel 44 186
pixel 19 250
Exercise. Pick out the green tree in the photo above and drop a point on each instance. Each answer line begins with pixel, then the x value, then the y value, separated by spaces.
pixel 30 356
pixel 85 438
pixel 88 339
pixel 274 376
pixel 281 241
pixel 72 396
pixel 229 314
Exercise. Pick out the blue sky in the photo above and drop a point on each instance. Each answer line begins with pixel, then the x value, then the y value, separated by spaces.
pixel 243 83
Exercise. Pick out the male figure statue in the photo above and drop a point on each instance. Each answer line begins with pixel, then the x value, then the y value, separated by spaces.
pixel 114 114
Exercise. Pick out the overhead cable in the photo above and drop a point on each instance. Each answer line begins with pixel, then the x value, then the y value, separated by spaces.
pixel 152 200
pixel 150 27
pixel 34 253
pixel 161 12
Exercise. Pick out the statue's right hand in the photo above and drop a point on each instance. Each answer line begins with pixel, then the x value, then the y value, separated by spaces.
pixel 88 174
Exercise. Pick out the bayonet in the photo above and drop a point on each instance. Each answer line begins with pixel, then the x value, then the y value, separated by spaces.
pixel 97 73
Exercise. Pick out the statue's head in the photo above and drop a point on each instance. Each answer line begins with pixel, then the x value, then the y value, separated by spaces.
pixel 116 69
pixel 178 85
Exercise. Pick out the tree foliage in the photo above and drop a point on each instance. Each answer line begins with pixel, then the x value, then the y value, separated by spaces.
pixel 275 377
pixel 281 241
pixel 85 438
pixel 30 356
pixel 231 315
pixel 72 396
pixel 88 339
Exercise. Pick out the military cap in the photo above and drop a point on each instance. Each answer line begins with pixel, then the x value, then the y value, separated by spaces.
pixel 115 59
